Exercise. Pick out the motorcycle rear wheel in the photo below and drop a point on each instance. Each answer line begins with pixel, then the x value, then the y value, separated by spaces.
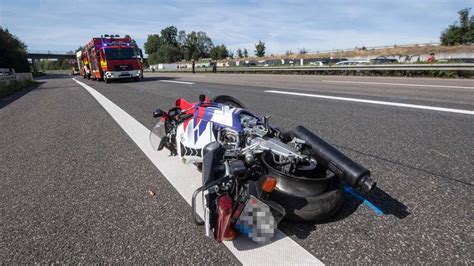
pixel 312 196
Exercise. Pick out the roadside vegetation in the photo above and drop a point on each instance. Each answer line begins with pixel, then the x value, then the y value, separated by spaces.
pixel 13 56
pixel 416 49
pixel 12 52
pixel 461 32
pixel 14 86
pixel 260 49
pixel 61 64
pixel 172 45
pixel 456 38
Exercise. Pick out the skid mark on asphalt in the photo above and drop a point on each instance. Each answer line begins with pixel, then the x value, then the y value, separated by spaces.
pixel 405 105
pixel 398 84
pixel 185 179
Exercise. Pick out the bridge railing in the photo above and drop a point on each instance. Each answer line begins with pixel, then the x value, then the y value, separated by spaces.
pixel 50 52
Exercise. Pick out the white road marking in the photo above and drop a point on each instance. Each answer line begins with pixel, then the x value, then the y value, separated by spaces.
pixel 399 84
pixel 425 107
pixel 186 179
pixel 176 81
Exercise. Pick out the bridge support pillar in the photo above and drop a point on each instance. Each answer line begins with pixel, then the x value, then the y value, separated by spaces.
pixel 34 64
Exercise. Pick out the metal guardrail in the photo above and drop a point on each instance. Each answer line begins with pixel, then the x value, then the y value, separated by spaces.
pixel 7 78
pixel 17 77
pixel 6 74
pixel 387 67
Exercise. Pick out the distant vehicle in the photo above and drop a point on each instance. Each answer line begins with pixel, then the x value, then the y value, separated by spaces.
pixel 110 57
pixel 333 60
pixel 383 60
pixel 353 63
pixel 262 63
pixel 316 63
pixel 75 71
pixel 7 74
pixel 80 65
pixel 460 60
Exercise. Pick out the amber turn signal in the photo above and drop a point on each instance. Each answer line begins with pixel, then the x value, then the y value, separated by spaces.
pixel 269 184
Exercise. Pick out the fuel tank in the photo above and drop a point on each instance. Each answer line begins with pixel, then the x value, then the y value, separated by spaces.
pixel 195 133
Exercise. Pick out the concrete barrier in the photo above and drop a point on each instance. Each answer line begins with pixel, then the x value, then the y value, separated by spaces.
pixel 24 76
pixel 7 75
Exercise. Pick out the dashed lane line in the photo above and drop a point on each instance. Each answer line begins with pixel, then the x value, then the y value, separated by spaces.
pixel 399 84
pixel 404 105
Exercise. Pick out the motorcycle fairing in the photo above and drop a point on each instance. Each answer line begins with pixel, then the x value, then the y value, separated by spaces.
pixel 197 131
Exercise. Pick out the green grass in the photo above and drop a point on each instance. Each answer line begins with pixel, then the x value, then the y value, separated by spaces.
pixel 14 86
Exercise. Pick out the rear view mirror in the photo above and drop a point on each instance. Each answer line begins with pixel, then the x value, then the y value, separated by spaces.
pixel 158 113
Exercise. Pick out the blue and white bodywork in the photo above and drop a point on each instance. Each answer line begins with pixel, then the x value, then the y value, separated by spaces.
pixel 204 127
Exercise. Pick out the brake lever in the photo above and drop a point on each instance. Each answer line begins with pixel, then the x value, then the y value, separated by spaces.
pixel 184 117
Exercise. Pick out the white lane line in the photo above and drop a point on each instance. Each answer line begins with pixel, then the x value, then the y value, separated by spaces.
pixel 175 81
pixel 399 84
pixel 425 107
pixel 186 179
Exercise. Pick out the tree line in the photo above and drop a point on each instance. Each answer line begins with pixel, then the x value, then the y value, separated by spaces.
pixel 172 45
pixel 12 52
pixel 460 32
pixel 61 64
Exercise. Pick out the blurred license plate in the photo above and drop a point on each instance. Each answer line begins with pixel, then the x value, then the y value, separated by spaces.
pixel 256 221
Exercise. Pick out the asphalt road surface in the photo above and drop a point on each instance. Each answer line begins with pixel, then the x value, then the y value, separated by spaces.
pixel 75 187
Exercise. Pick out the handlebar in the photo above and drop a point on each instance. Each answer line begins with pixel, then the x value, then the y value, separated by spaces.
pixel 196 218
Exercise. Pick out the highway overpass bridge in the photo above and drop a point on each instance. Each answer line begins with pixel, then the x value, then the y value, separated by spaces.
pixel 36 55
pixel 47 54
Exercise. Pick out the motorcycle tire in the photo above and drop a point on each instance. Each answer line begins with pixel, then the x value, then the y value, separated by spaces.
pixel 311 208
pixel 230 101
pixel 309 197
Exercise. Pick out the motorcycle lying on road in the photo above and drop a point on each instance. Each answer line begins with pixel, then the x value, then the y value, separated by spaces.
pixel 254 174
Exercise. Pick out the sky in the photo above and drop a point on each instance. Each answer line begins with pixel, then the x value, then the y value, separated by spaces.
pixel 314 25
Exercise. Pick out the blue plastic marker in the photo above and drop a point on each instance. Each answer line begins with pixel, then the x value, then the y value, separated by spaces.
pixel 351 191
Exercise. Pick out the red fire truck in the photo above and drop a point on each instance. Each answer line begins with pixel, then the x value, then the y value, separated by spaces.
pixel 111 57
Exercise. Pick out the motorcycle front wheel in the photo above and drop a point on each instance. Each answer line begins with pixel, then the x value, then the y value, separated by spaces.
pixel 230 101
